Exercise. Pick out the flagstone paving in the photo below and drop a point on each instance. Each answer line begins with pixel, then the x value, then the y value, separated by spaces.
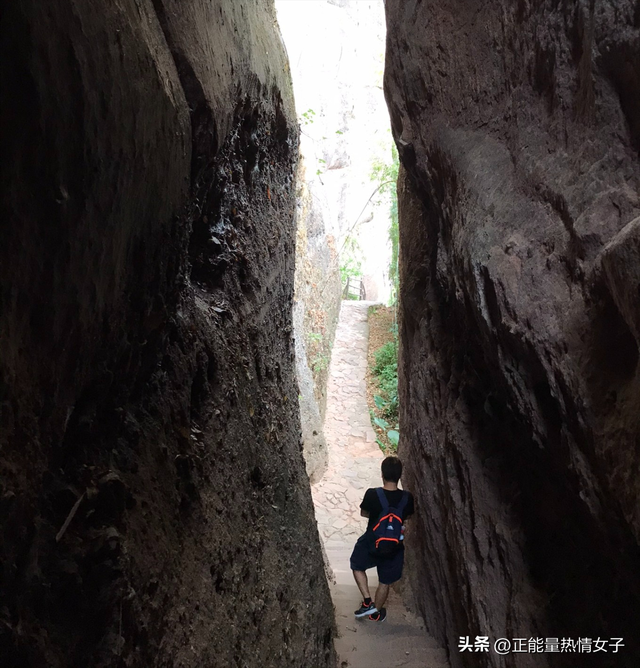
pixel 353 454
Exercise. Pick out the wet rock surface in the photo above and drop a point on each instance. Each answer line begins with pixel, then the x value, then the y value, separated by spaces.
pixel 517 128
pixel 154 507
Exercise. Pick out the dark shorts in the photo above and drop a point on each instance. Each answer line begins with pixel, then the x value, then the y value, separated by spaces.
pixel 389 570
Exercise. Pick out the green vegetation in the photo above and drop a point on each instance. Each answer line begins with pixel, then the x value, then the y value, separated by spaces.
pixel 320 362
pixel 386 174
pixel 385 371
pixel 316 349
pixel 350 261
pixel 306 117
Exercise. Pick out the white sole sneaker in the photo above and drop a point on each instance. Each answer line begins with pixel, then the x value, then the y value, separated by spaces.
pixel 367 612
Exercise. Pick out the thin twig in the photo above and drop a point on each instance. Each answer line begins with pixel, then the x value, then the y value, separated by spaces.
pixel 337 258
pixel 386 183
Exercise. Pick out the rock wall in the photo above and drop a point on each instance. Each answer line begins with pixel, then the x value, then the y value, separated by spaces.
pixel 317 296
pixel 517 127
pixel 154 507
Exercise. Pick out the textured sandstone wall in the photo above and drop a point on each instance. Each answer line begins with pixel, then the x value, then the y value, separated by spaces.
pixel 517 126
pixel 317 297
pixel 154 507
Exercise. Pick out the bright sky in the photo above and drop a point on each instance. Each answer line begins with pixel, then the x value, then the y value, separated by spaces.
pixel 336 52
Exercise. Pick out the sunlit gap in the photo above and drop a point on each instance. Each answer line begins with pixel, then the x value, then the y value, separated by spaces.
pixel 336 52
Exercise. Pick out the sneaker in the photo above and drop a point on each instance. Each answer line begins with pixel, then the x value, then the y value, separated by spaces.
pixel 379 616
pixel 365 610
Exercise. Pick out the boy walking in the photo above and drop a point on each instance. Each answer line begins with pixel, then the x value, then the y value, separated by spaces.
pixel 381 545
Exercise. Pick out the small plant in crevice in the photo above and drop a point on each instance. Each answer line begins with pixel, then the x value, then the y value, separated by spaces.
pixel 318 352
pixel 320 363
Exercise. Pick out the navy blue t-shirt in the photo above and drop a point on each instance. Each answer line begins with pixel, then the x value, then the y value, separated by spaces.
pixel 371 504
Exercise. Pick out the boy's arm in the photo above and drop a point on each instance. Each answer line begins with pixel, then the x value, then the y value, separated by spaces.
pixel 411 509
pixel 364 506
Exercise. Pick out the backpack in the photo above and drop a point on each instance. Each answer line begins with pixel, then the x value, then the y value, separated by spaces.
pixel 388 532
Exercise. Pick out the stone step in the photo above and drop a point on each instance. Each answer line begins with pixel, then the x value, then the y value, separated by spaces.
pixel 399 641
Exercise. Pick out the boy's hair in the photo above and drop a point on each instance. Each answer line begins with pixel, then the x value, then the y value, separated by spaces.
pixel 391 469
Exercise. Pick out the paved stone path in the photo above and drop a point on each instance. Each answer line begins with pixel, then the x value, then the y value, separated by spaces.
pixel 354 457
pixel 354 465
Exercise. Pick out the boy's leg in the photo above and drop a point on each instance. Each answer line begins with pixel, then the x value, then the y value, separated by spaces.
pixel 359 562
pixel 363 583
pixel 389 571
pixel 382 592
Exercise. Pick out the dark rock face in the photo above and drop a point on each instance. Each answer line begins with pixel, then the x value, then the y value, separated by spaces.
pixel 517 126
pixel 154 507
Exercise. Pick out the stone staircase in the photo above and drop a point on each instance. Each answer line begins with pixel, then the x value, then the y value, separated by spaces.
pixel 399 641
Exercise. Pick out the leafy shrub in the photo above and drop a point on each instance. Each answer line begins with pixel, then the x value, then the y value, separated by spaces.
pixel 384 383
pixel 386 357
pixel 386 372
